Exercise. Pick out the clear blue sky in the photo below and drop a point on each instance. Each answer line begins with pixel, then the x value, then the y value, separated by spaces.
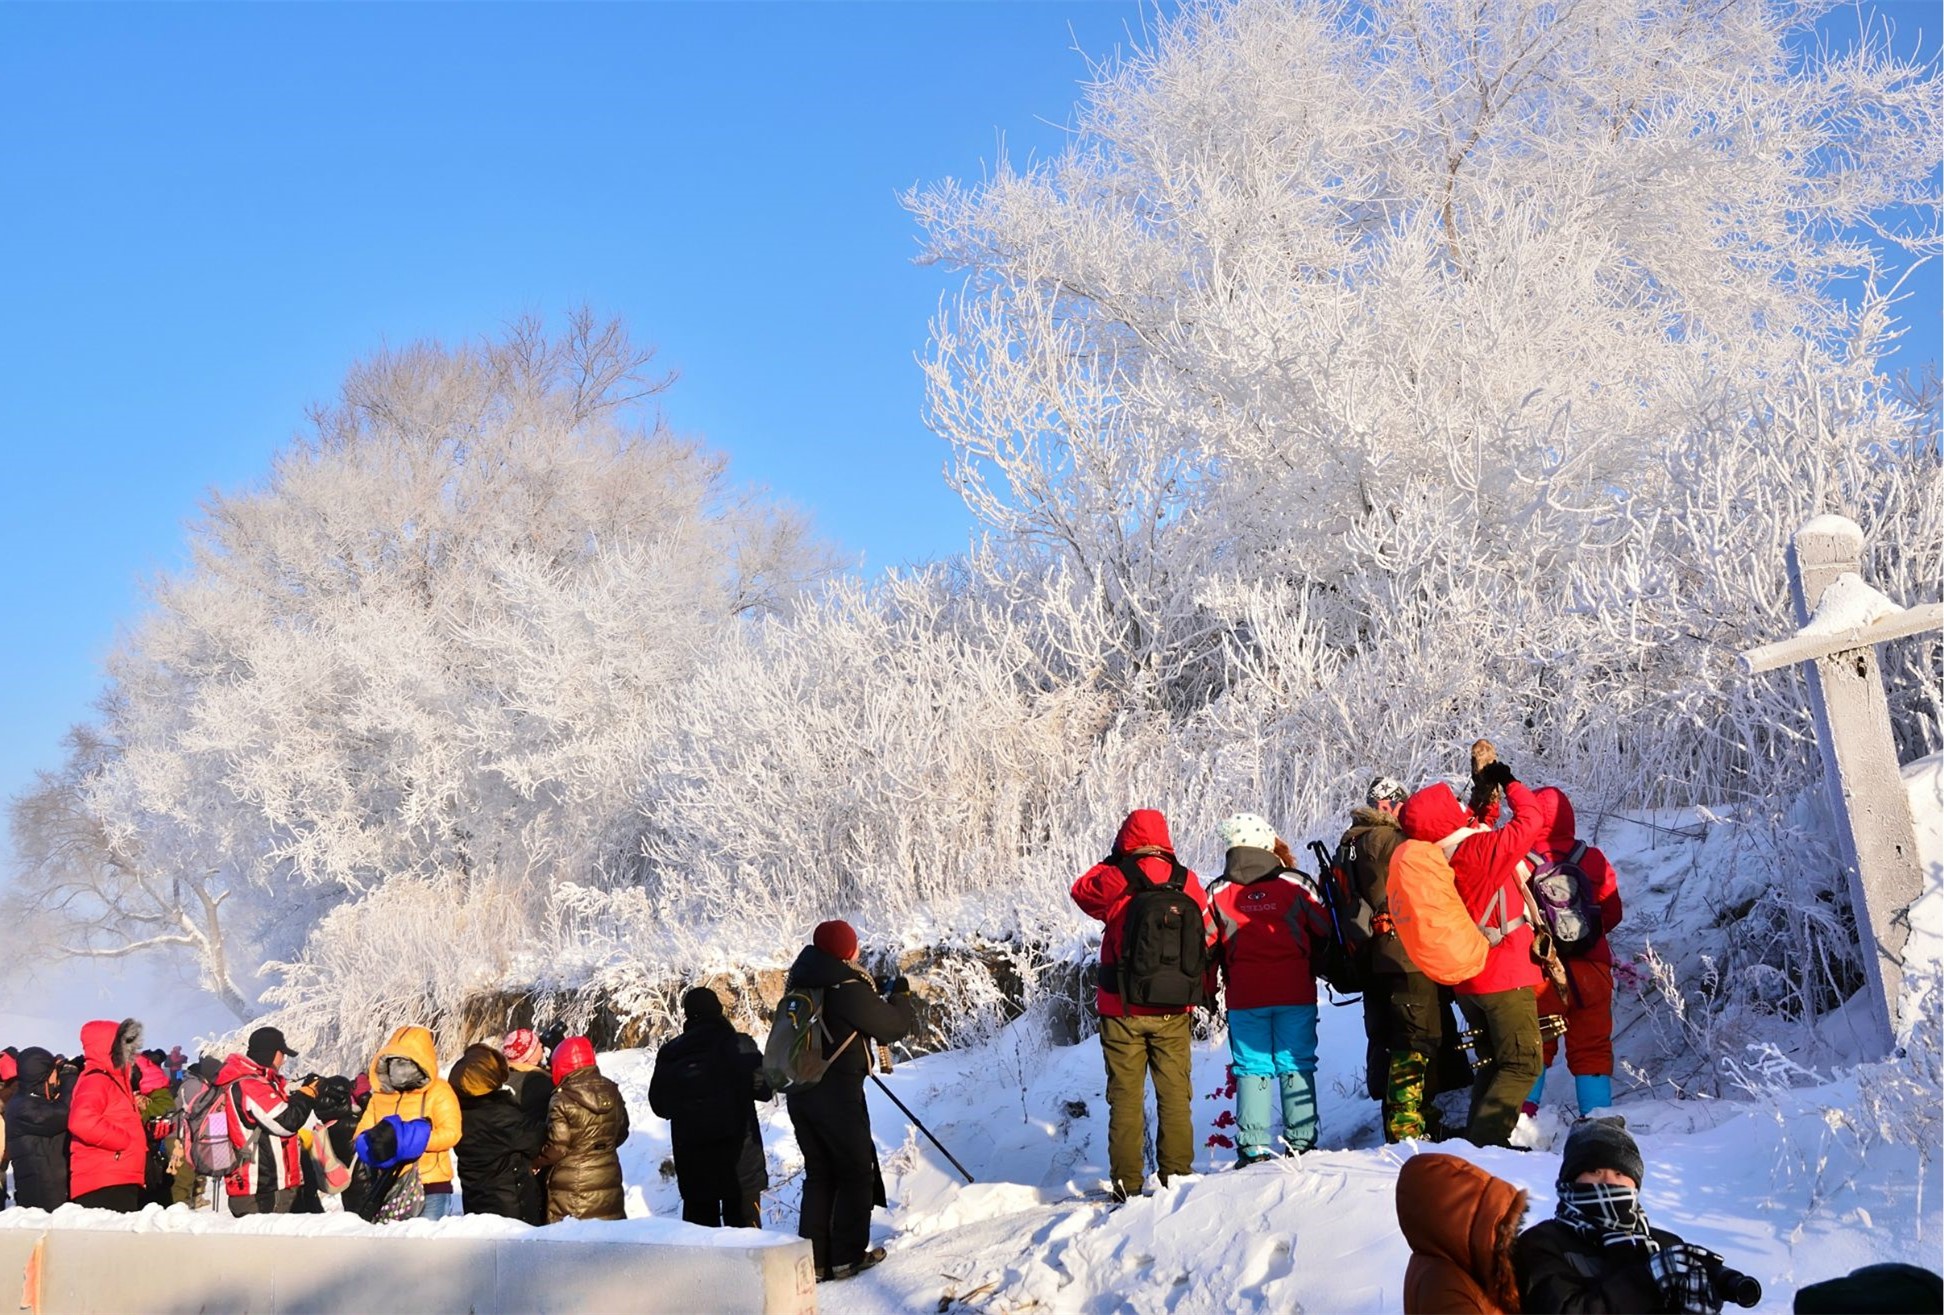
pixel 210 210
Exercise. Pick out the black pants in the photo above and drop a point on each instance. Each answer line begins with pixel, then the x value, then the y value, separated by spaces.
pixel 726 1213
pixel 840 1173
pixel 1409 1011
pixel 709 1175
pixel 126 1198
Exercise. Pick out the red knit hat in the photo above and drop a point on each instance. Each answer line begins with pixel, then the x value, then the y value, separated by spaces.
pixel 836 938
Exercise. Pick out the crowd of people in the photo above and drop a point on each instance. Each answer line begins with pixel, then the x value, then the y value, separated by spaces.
pixel 519 1129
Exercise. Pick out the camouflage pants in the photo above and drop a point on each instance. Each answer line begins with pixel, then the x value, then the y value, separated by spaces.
pixel 1423 1055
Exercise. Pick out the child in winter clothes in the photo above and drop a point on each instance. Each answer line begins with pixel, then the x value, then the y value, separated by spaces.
pixel 1461 1223
pixel 1268 927
pixel 1588 1006
pixel 498 1139
pixel 37 1133
pixel 405 1085
pixel 586 1125
pixel 108 1146
pixel 1597 1253
pixel 706 1084
pixel 1500 999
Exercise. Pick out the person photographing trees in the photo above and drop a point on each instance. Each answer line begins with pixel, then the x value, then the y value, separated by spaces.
pixel 1598 1253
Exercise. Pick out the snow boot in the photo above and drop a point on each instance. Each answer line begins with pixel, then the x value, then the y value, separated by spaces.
pixel 1299 1110
pixel 1252 1116
pixel 1595 1091
pixel 838 1273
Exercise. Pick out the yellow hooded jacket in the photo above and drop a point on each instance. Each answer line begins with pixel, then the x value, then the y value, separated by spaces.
pixel 434 1101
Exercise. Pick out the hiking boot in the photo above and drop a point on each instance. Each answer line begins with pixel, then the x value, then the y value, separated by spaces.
pixel 1247 1158
pixel 838 1273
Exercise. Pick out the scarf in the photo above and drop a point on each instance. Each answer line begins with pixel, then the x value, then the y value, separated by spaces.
pixel 1605 1214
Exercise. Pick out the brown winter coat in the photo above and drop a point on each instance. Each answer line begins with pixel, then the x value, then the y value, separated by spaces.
pixel 586 1124
pixel 1460 1223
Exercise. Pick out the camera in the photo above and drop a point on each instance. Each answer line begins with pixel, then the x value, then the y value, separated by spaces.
pixel 1730 1285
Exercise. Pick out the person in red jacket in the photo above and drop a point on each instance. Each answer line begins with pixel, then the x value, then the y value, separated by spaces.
pixel 107 1144
pixel 265 1116
pixel 1144 998
pixel 1501 999
pixel 1268 925
pixel 1588 1006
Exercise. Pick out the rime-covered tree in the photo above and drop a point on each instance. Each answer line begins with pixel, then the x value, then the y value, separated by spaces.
pixel 436 645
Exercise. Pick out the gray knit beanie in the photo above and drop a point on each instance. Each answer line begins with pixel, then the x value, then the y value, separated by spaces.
pixel 1601 1143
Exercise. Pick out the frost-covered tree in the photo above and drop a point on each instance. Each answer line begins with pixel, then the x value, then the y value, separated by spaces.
pixel 1507 341
pixel 437 645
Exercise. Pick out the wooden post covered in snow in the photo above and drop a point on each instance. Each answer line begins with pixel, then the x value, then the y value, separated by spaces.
pixel 1842 620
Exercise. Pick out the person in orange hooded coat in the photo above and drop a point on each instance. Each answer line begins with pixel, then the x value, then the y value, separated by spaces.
pixel 1461 1224
pixel 405 1081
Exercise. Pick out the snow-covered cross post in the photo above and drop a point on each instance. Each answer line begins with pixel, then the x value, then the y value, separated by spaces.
pixel 1842 620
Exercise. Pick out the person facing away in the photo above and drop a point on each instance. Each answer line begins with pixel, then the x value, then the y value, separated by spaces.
pixel 9 1083
pixel 841 1182
pixel 1598 1253
pixel 107 1143
pixel 1461 1224
pixel 1145 1031
pixel 498 1138
pixel 265 1116
pixel 586 1124
pixel 406 1086
pixel 706 1084
pixel 532 1085
pixel 1500 1000
pixel 1588 1004
pixel 1269 927
pixel 37 1132
pixel 1414 1052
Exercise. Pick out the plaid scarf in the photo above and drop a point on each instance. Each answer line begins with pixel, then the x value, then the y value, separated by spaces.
pixel 1609 1215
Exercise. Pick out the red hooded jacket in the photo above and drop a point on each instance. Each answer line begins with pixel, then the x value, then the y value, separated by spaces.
pixel 107 1145
pixel 1101 893
pixel 1270 926
pixel 1486 864
pixel 1558 842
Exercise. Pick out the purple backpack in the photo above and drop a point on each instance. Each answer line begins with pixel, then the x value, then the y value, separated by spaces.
pixel 1563 895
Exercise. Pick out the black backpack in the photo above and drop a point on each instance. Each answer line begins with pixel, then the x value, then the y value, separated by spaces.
pixel 1164 945
pixel 1343 962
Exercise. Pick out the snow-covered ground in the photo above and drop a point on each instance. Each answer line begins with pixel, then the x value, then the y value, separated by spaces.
pixel 1816 1174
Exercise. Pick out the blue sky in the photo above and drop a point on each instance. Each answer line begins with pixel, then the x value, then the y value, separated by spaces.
pixel 211 210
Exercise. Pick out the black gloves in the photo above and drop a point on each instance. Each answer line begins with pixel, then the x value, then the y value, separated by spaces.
pixel 898 985
pixel 1494 774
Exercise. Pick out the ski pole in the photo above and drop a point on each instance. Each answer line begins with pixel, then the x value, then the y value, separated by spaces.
pixel 918 1124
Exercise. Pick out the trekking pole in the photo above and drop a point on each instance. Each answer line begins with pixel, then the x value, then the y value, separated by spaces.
pixel 919 1124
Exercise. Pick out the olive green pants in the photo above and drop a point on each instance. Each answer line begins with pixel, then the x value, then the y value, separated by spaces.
pixel 1134 1048
pixel 1509 1061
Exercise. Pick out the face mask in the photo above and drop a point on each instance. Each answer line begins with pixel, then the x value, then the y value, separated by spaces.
pixel 402 1074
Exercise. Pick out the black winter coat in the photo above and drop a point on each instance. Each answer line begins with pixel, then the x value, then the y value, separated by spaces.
pixel 1563 1272
pixel 706 1085
pixel 498 1141
pixel 1374 838
pixel 37 1135
pixel 851 1005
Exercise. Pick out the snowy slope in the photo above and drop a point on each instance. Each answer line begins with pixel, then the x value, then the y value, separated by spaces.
pixel 1791 1185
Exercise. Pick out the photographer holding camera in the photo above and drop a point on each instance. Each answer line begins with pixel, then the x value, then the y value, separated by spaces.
pixel 1598 1254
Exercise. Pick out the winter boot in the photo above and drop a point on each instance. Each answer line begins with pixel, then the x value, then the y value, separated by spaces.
pixel 1299 1110
pixel 1595 1091
pixel 1404 1096
pixel 1252 1117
